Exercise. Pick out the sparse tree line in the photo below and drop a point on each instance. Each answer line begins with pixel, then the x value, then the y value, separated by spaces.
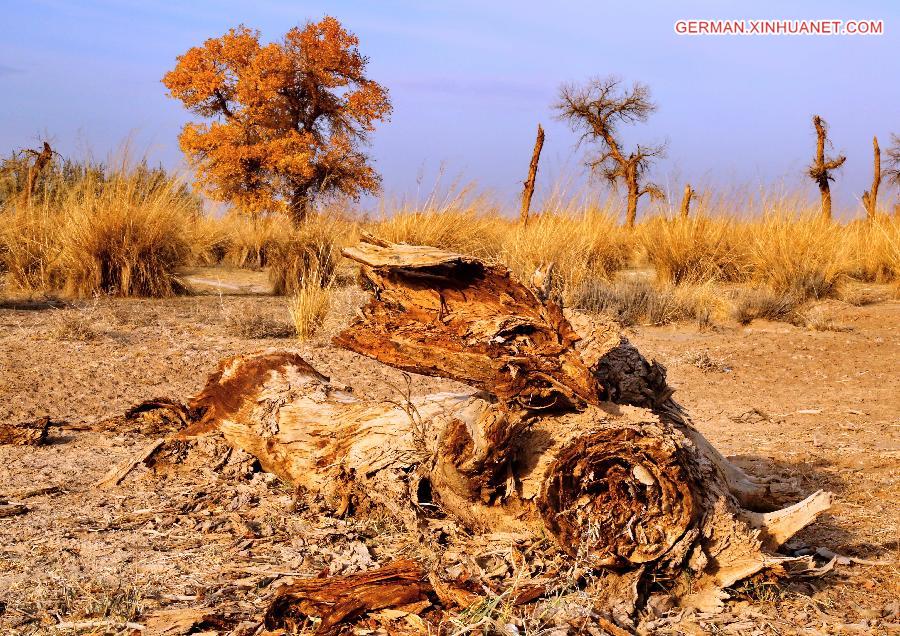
pixel 598 108
pixel 286 124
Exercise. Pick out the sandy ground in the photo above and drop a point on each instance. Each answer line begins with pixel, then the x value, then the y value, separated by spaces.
pixel 819 409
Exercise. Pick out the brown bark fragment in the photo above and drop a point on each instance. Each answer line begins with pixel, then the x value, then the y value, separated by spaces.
pixel 33 433
pixel 338 599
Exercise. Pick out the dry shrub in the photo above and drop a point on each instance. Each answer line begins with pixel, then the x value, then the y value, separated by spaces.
pixel 762 302
pixel 310 303
pixel 29 246
pixel 632 302
pixel 693 250
pixel 73 325
pixel 582 243
pixel 473 226
pixel 120 239
pixel 249 241
pixel 213 239
pixel 119 231
pixel 705 362
pixel 820 319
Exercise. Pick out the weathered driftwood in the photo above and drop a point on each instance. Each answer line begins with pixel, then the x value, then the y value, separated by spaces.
pixel 569 431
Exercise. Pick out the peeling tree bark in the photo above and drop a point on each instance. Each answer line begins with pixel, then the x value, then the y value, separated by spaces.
pixel 568 432
pixel 32 433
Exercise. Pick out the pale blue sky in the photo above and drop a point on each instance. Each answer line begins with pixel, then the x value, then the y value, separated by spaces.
pixel 470 80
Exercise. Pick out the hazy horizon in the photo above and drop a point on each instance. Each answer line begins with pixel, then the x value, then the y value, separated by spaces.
pixel 469 84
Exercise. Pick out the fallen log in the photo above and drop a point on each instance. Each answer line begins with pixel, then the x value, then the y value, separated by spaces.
pixel 568 432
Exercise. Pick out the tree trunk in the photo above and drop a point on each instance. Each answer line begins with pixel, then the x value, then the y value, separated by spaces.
pixel 41 161
pixel 633 194
pixel 532 173
pixel 299 206
pixel 824 188
pixel 686 202
pixel 870 197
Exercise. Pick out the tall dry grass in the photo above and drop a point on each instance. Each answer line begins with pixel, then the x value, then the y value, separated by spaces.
pixel 873 249
pixel 122 230
pixel 581 239
pixel 583 246
pixel 800 256
pixel 125 230
pixel 310 302
pixel 693 250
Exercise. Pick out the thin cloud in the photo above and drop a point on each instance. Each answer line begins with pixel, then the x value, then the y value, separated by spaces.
pixel 9 70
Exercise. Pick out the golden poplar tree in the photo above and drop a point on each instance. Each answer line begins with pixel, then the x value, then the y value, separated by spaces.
pixel 287 121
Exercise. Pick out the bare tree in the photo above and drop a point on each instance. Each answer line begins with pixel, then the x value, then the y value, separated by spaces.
pixel 892 174
pixel 870 197
pixel 528 192
pixel 820 170
pixel 596 109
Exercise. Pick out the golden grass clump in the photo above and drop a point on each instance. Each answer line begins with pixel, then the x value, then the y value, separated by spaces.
pixel 636 301
pixel 800 256
pixel 582 247
pixel 581 239
pixel 28 246
pixel 119 238
pixel 310 251
pixel 119 231
pixel 460 223
pixel 693 250
pixel 247 241
pixel 873 249
pixel 310 303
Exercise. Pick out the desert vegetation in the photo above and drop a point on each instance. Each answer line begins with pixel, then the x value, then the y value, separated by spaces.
pixel 129 230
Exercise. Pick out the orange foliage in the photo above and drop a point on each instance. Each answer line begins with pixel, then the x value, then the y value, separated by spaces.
pixel 289 117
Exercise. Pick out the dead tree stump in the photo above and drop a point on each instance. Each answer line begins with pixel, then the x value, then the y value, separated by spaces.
pixel 685 211
pixel 528 191
pixel 568 432
pixel 822 167
pixel 870 196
